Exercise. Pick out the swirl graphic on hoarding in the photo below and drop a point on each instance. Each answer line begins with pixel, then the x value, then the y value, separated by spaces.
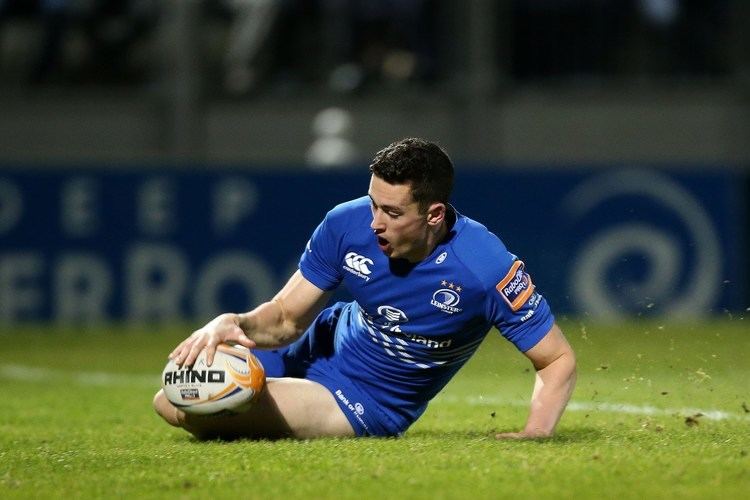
pixel 664 285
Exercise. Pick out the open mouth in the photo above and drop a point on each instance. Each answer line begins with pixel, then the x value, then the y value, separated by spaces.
pixel 382 243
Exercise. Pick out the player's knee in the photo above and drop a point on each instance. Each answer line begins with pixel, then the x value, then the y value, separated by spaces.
pixel 165 410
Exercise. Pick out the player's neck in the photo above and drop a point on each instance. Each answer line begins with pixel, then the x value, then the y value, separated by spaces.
pixel 433 239
pixel 439 235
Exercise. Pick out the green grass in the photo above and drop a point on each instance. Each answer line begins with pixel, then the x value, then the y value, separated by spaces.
pixel 63 435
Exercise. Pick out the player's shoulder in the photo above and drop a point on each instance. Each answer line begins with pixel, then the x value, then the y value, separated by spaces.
pixel 349 214
pixel 480 245
pixel 481 251
pixel 358 207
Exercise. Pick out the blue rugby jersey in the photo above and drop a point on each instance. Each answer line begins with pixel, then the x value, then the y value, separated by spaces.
pixel 411 328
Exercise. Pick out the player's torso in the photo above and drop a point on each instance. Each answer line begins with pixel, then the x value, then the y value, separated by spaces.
pixel 427 315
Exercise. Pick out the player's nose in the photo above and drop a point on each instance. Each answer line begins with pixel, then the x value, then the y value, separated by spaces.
pixel 377 223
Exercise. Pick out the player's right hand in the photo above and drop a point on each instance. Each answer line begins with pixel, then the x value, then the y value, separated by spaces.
pixel 224 328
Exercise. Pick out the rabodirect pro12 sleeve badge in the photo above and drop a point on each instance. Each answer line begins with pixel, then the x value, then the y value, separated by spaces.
pixel 516 287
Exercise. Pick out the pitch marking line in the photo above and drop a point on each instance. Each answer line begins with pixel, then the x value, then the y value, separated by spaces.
pixel 108 379
pixel 598 406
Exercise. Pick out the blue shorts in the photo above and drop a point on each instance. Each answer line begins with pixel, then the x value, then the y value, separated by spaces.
pixel 312 357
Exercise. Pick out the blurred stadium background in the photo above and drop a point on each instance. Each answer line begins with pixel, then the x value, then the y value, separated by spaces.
pixel 169 159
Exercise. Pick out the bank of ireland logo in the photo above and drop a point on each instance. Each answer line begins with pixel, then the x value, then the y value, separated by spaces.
pixel 358 265
pixel 392 314
pixel 447 298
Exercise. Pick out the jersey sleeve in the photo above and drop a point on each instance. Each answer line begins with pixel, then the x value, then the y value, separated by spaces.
pixel 516 308
pixel 318 260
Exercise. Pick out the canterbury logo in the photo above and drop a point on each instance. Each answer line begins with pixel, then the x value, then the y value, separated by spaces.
pixel 358 263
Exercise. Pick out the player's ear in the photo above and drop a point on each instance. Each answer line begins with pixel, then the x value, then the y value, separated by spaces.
pixel 436 214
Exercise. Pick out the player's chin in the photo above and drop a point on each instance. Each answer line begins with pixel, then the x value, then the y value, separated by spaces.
pixel 388 251
pixel 385 246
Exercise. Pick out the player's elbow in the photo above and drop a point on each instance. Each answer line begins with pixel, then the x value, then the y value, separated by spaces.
pixel 562 360
pixel 565 357
pixel 562 369
pixel 569 365
pixel 571 360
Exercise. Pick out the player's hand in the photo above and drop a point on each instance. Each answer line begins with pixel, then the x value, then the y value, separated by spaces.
pixel 222 329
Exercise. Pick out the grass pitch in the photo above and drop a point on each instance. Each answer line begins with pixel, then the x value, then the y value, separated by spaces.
pixel 661 410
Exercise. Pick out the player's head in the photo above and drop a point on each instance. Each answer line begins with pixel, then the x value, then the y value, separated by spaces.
pixel 423 165
pixel 409 190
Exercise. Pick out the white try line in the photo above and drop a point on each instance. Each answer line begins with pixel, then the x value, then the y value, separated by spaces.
pixel 594 406
pixel 108 379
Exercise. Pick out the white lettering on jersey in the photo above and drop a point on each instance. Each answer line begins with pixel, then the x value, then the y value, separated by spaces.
pixel 357 265
pixel 393 337
pixel 357 409
pixel 446 299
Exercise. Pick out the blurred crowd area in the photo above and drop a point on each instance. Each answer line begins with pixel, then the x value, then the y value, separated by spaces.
pixel 246 47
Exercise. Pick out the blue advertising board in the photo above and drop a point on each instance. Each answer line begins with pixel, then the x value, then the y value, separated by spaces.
pixel 615 242
pixel 133 244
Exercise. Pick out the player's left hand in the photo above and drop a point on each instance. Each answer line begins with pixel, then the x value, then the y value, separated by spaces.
pixel 225 328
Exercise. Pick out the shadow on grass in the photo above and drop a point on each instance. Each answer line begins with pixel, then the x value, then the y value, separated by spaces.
pixel 577 435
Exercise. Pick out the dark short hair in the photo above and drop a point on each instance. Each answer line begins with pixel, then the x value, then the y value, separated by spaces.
pixel 422 164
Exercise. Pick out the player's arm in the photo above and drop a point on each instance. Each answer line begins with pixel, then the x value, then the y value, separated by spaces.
pixel 555 365
pixel 272 324
pixel 283 319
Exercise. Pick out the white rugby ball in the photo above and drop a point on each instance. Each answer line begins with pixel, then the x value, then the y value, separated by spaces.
pixel 230 384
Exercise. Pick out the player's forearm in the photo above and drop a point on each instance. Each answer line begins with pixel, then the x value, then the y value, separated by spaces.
pixel 552 389
pixel 268 326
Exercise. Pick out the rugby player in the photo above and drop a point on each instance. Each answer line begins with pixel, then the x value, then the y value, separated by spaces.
pixel 428 284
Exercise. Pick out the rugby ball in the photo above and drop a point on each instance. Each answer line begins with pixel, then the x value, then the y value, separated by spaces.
pixel 230 384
